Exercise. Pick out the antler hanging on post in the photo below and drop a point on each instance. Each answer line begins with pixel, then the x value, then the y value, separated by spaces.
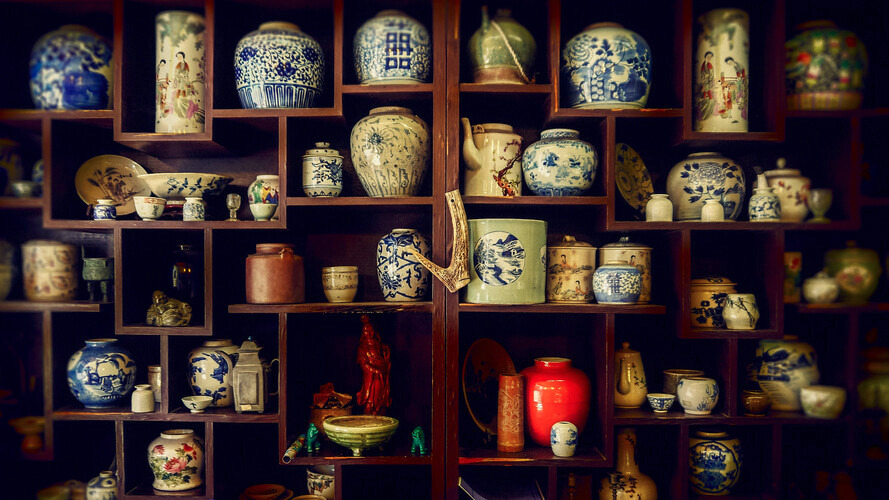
pixel 456 275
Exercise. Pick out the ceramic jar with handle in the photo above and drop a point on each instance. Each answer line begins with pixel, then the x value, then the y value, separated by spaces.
pixel 569 271
pixel 792 190
pixel 390 152
pixel 50 270
pixel 708 300
pixel 275 275
pixel 501 50
pixel 492 153
pixel 555 391
pixel 635 254
pixel 630 386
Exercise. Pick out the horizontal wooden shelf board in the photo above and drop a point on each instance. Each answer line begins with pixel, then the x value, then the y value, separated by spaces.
pixel 551 308
pixel 56 114
pixel 533 455
pixel 874 201
pixel 731 226
pixel 11 203
pixel 180 414
pixel 716 137
pixel 38 456
pixel 701 333
pixel 837 113
pixel 535 200
pixel 32 306
pixel 645 416
pixel 146 492
pixel 162 224
pixel 322 459
pixel 278 112
pixel 619 113
pixel 393 89
pixel 163 330
pixel 841 308
pixel 356 201
pixel 332 307
pixel 487 88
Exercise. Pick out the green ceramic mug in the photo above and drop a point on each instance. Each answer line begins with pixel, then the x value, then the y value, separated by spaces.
pixel 507 261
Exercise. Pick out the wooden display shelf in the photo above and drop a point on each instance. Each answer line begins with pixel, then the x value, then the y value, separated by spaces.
pixel 572 113
pixel 645 416
pixel 841 308
pixel 332 308
pixel 197 330
pixel 730 226
pixel 56 114
pixel 356 201
pixel 551 308
pixel 389 90
pixel 26 306
pixel 172 145
pixel 278 113
pixel 724 333
pixel 703 138
pixel 396 452
pixel 874 201
pixel 533 455
pixel 506 89
pixel 146 492
pixel 94 225
pixel 29 204
pixel 180 414
pixel 837 113
pixel 535 200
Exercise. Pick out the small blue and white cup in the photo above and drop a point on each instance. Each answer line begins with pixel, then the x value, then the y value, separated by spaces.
pixel 194 209
pixel 104 210
pixel 660 402
pixel 563 439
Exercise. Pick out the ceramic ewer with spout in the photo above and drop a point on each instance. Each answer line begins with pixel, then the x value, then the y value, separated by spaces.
pixel 714 461
pixel 492 153
pixel 392 48
pixel 101 373
pixel 627 482
pixel 507 262
pixel 390 152
pixel 630 386
pixel 501 50
pixel 705 176
pixel 402 277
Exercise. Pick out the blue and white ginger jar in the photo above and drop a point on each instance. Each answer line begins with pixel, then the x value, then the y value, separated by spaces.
pixel 714 462
pixel 210 370
pixel 617 282
pixel 392 48
pixel 278 66
pixel 102 487
pixel 559 164
pixel 390 152
pixel 606 66
pixel 71 69
pixel 101 373
pixel 402 277
pixel 705 176
pixel 322 171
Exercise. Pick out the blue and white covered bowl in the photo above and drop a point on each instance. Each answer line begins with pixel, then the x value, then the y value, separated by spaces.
pixel 278 66
pixel 70 68
pixel 606 66
pixel 559 164
pixel 101 373
pixel 392 48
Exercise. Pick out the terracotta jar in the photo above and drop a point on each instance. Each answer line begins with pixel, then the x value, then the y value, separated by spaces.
pixel 630 386
pixel 275 275
pixel 626 481
pixel 554 391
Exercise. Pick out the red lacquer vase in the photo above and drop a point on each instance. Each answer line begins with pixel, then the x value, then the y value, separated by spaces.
pixel 554 391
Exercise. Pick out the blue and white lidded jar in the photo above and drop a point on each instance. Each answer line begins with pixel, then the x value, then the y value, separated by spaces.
pixel 322 171
pixel 210 370
pixel 392 48
pixel 71 69
pixel 698 395
pixel 101 373
pixel 402 277
pixel 706 176
pixel 104 210
pixel 194 209
pixel 617 283
pixel 563 439
pixel 714 462
pixel 606 66
pixel 279 66
pixel 390 152
pixel 559 164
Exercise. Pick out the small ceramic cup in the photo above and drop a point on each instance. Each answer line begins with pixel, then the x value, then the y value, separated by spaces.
pixel 149 207
pixel 660 402
pixel 25 189
pixel 822 401
pixel 340 283
pixel 563 439
pixel 319 481
pixel 263 211
pixel 104 210
pixel 194 209
pixel 674 375
pixel 264 491
pixel 756 402
pixel 197 403
pixel 698 395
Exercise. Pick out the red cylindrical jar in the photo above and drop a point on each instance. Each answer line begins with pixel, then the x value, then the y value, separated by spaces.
pixel 275 275
pixel 555 391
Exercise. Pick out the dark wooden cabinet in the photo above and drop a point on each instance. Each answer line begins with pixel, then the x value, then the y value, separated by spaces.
pixel 316 341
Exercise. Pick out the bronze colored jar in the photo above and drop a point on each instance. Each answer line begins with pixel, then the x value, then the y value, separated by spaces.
pixel 275 275
pixel 756 403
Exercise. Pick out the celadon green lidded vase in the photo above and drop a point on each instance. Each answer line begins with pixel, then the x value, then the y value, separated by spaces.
pixel 501 50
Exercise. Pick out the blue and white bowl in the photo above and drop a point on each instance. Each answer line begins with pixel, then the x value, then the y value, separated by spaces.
pixel 71 69
pixel 617 283
pixel 559 164
pixel 179 185
pixel 279 66
pixel 392 48
pixel 402 277
pixel 606 66
pixel 101 373
pixel 660 402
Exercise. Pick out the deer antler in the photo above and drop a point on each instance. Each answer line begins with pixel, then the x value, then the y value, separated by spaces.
pixel 456 275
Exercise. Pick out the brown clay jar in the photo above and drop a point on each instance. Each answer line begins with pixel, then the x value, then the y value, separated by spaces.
pixel 755 402
pixel 275 275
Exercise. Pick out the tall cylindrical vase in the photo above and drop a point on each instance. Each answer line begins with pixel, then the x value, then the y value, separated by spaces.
pixel 179 72
pixel 510 413
pixel 721 71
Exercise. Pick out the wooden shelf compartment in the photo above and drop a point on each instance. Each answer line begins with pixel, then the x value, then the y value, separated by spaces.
pixel 506 89
pixel 841 308
pixel 724 333
pixel 533 456
pixel 393 91
pixel 130 223
pixel 332 308
pixel 842 225
pixel 536 200
pixel 180 414
pixel 27 306
pixel 25 204
pixel 357 201
pixel 645 416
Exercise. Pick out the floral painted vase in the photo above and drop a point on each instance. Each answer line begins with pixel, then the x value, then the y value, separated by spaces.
pixel 569 271
pixel 402 277
pixel 708 300
pixel 492 153
pixel 101 373
pixel 705 176
pixel 714 461
pixel 740 311
pixel 179 72
pixel 390 152
pixel 627 482
pixel 721 71
pixel 792 190
pixel 856 271
pixel 783 367
pixel 507 262
pixel 793 268
pixel 322 171
pixel 392 48
pixel 697 395
pixel 501 50
pixel 630 385
pixel 102 487
pixel 606 66
pixel 635 254
pixel 563 439
pixel 825 67
pixel 559 164
pixel 278 66
pixel 10 165
pixel 210 370
pixel 50 270
pixel 555 391
pixel 71 69
pixel 176 458
pixel 616 282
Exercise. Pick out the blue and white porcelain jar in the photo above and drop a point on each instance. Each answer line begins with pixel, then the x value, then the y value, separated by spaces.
pixel 194 209
pixel 697 395
pixel 392 48
pixel 714 462
pixel 402 277
pixel 101 373
pixel 559 164
pixel 71 69
pixel 706 176
pixel 616 282
pixel 783 367
pixel 104 210
pixel 563 439
pixel 606 66
pixel 102 487
pixel 764 205
pixel 279 66
pixel 322 171
pixel 390 152
pixel 210 370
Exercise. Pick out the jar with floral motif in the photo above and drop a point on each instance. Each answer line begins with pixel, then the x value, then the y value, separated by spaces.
pixel 101 373
pixel 322 171
pixel 825 67
pixel 706 176
pixel 392 48
pixel 210 370
pixel 71 69
pixel 390 152
pixel 708 299
pixel 714 461
pixel 50 270
pixel 278 66
pixel 606 66
pixel 569 271
pixel 176 458
pixel 559 164
pixel 856 271
pixel 783 367
pixel 616 282
pixel 555 391
pixel 402 277
pixel 792 190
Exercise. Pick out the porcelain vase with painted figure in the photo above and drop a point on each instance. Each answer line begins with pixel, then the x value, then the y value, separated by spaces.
pixel 783 367
pixel 706 176
pixel 101 373
pixel 71 68
pixel 627 482
pixel 176 458
pixel 501 50
pixel 792 190
pixel 630 385
pixel 179 73
pixel 560 164
pixel 740 311
pixel 210 371
pixel 50 270
pixel 569 271
pixel 507 262
pixel 555 391
pixel 492 154
pixel 392 48
pixel 721 71
pixel 390 152
pixel 402 277
pixel 714 461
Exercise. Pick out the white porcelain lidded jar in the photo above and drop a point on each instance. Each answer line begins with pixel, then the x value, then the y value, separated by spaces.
pixel 392 48
pixel 390 152
pixel 635 254
pixel 569 271
pixel 792 190
pixel 322 171
pixel 706 176
pixel 176 459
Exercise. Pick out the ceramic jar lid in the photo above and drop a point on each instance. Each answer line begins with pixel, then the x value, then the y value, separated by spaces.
pixel 322 149
pixel 820 277
pixel 625 348
pixel 569 241
pixel 625 243
pixel 781 171
pixel 711 282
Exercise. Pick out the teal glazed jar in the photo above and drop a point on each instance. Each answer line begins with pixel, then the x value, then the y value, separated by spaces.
pixel 392 48
pixel 501 50
pixel 507 261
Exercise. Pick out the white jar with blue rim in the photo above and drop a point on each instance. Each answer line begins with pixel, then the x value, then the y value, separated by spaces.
pixel 392 48
pixel 559 164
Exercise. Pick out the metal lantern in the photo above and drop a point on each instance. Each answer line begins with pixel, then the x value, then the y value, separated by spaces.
pixel 250 379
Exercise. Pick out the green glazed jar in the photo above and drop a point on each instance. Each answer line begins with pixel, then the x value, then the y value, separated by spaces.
pixel 502 50
pixel 507 261
pixel 856 270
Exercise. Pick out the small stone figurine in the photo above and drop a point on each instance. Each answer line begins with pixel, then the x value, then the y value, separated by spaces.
pixel 165 311
pixel 373 357
pixel 418 441
pixel 313 440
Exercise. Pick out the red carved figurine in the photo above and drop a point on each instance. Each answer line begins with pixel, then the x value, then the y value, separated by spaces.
pixel 373 357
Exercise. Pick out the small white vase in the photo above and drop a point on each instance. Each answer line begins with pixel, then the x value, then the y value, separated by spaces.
pixel 740 311
pixel 659 209
pixel 563 439
pixel 712 211
pixel 142 400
